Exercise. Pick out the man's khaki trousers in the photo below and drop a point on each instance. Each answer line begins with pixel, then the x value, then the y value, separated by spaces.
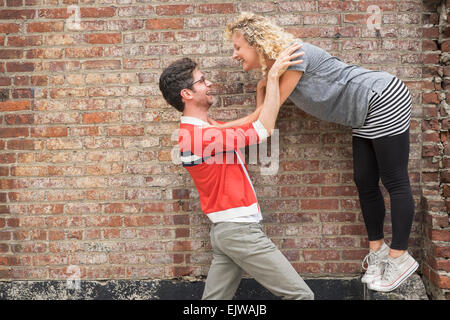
pixel 239 247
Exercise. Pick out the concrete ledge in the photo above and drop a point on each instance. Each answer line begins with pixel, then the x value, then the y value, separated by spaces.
pixel 412 289
pixel 249 289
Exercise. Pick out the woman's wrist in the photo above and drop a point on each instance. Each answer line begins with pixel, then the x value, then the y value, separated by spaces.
pixel 272 76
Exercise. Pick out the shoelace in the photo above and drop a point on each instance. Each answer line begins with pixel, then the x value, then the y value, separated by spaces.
pixel 370 258
pixel 389 270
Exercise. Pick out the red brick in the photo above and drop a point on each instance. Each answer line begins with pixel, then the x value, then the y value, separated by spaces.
pixel 45 27
pixel 321 255
pixel 429 45
pixel 103 12
pixel 216 8
pixel 141 221
pixel 102 65
pixel 430 151
pixel 170 23
pixel 126 131
pixel 49 132
pixel 5 273
pixel 446 191
pixel 342 268
pixel 354 230
pixel 356 18
pixel 327 204
pixel 13 132
pixel 357 254
pixel 430 97
pixel 445 46
pixel 103 38
pixel 11 54
pixel 299 192
pixel 17 14
pixel 17 119
pixel 339 191
pixel 122 208
pixel 440 235
pixel 307 267
pixel 20 66
pixel 14 105
pixel 59 13
pixel 430 32
pixel 6 28
pixel 21 145
pixel 301 165
pixel 180 194
pixel 100 117
pixel 174 10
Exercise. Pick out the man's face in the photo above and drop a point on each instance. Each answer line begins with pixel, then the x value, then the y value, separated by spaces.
pixel 201 89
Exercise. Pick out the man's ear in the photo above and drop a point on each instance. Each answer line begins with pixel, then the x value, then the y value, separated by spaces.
pixel 186 94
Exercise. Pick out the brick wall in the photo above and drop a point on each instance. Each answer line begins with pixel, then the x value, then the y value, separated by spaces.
pixel 435 153
pixel 88 186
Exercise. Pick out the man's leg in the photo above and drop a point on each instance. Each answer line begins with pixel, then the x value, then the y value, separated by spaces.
pixel 224 275
pixel 256 254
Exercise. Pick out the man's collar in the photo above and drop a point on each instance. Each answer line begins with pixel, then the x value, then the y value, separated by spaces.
pixel 194 121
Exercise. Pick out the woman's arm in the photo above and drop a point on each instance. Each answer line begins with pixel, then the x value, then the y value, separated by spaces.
pixel 274 98
pixel 288 82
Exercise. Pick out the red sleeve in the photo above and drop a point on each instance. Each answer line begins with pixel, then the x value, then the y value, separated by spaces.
pixel 233 138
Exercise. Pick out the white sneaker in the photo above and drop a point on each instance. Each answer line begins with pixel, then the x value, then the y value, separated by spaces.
pixel 395 272
pixel 375 264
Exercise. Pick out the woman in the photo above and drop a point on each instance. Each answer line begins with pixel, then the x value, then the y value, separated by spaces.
pixel 378 107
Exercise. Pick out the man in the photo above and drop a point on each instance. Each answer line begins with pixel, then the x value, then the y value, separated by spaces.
pixel 212 157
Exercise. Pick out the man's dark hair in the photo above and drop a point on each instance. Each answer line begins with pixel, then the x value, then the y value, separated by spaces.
pixel 176 77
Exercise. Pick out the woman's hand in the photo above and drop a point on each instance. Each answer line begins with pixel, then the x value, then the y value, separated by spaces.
pixel 284 60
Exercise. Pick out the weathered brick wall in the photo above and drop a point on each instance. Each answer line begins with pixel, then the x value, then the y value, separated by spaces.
pixel 436 152
pixel 87 181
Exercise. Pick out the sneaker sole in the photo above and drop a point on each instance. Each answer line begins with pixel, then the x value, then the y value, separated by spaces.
pixel 368 280
pixel 396 283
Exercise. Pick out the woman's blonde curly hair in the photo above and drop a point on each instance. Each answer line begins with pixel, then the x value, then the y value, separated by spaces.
pixel 266 37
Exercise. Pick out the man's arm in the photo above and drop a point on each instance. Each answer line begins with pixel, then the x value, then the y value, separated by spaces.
pixel 219 139
pixel 260 92
pixel 287 83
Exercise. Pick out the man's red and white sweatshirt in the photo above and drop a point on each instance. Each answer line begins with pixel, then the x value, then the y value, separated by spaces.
pixel 213 158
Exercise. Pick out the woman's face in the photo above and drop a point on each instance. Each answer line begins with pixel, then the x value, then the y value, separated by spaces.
pixel 245 53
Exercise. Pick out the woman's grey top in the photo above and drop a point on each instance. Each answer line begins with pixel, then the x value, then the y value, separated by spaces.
pixel 334 91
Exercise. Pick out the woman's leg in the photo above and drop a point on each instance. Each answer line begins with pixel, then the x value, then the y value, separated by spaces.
pixel 393 155
pixel 366 177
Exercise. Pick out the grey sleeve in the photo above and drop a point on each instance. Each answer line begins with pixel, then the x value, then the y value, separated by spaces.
pixel 306 59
